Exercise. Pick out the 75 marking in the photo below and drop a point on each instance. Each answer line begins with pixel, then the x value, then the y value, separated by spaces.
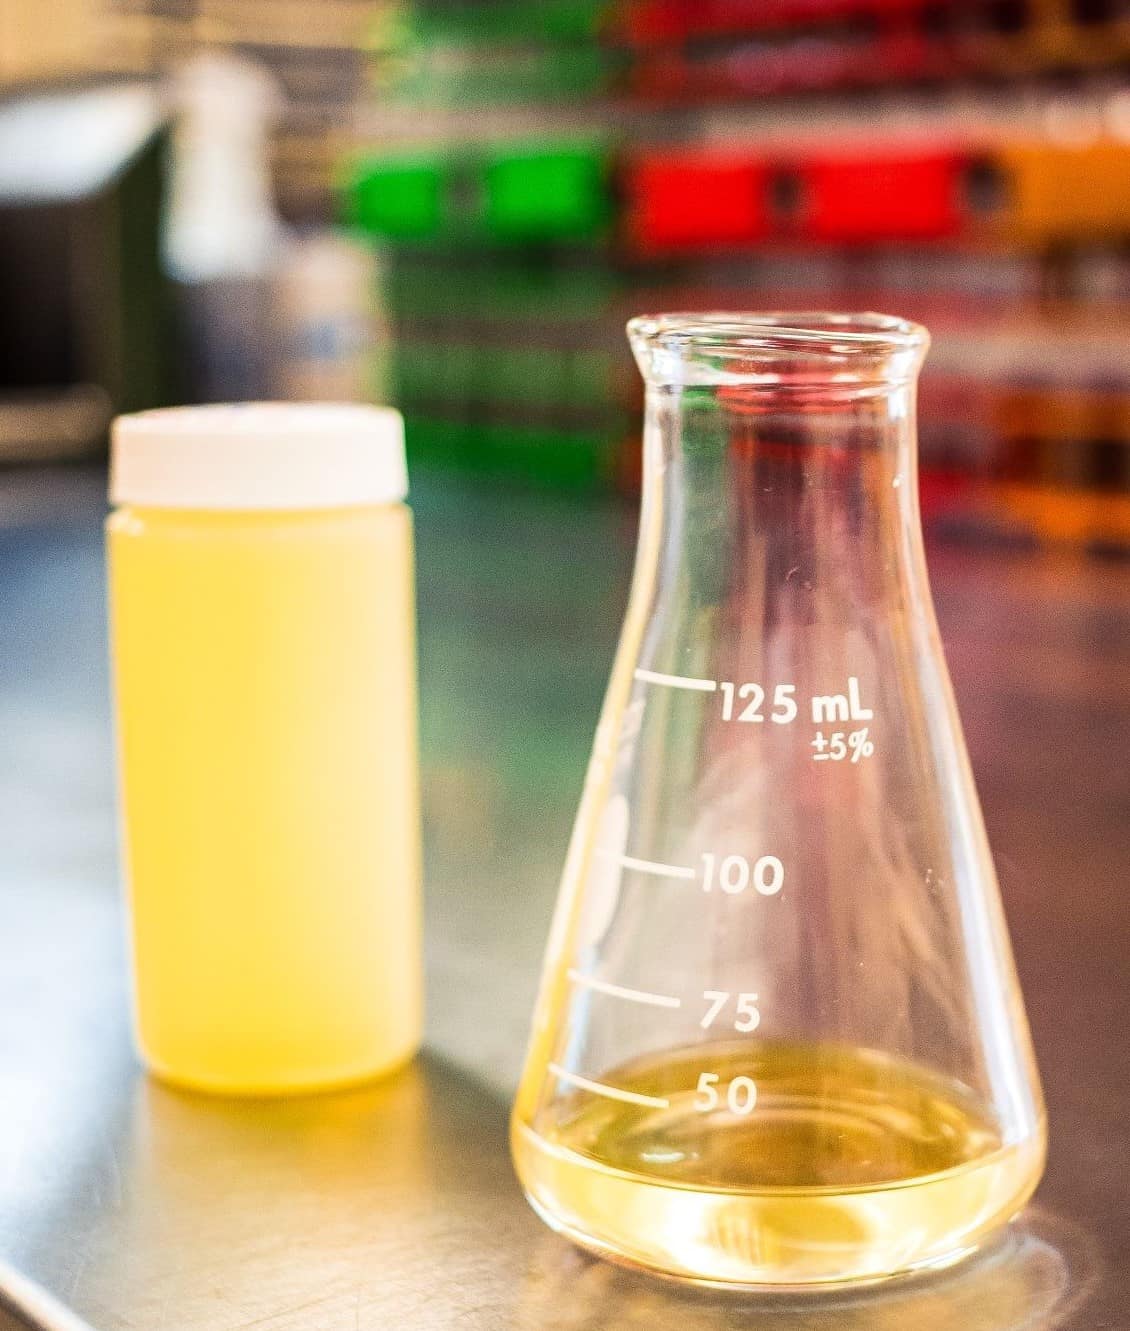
pixel 746 1016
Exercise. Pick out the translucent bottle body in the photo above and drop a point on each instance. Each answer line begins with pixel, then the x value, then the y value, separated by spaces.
pixel 266 710
pixel 779 1038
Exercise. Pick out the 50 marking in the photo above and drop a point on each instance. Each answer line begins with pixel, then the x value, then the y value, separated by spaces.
pixel 740 1094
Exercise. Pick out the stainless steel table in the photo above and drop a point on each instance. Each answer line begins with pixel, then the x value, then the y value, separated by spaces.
pixel 393 1206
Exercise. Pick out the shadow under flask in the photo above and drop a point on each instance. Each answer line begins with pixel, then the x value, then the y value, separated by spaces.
pixel 779 1038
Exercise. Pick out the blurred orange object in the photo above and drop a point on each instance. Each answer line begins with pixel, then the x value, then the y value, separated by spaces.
pixel 1073 517
pixel 1061 191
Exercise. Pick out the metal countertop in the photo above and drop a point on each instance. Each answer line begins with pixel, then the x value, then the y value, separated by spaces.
pixel 394 1206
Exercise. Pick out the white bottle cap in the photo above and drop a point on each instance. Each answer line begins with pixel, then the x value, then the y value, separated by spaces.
pixel 273 455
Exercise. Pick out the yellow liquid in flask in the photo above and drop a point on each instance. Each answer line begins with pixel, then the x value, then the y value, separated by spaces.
pixel 822 1164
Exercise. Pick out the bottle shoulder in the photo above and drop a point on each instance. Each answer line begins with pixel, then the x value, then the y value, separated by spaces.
pixel 131 521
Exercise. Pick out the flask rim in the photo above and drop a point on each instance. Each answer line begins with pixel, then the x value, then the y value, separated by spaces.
pixel 861 355
pixel 813 332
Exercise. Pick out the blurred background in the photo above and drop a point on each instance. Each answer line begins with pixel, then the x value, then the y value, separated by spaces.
pixel 455 206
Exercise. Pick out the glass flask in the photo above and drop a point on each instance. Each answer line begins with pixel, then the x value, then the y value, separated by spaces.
pixel 779 1037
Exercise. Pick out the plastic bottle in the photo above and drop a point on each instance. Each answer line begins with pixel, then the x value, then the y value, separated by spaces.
pixel 262 630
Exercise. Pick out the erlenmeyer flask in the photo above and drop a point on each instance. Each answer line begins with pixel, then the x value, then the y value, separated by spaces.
pixel 779 1037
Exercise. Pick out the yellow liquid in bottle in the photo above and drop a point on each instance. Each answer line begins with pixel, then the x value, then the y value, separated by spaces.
pixel 848 1166
pixel 265 674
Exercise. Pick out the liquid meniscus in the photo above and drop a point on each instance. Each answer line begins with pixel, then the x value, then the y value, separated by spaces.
pixel 785 1164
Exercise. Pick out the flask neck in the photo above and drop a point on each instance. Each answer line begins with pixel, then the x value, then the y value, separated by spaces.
pixel 782 457
pixel 782 501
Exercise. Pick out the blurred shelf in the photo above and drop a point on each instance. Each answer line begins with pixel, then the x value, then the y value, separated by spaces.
pixel 53 427
pixel 695 51
pixel 989 192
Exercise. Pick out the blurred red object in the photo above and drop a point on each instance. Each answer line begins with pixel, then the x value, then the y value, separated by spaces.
pixel 688 200
pixel 942 492
pixel 701 199
pixel 794 63
pixel 879 197
pixel 658 22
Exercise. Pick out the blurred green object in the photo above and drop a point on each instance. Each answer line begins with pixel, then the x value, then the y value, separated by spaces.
pixel 592 377
pixel 436 441
pixel 547 192
pixel 485 21
pixel 554 293
pixel 538 380
pixel 565 459
pixel 532 376
pixel 454 377
pixel 504 288
pixel 399 198
pixel 544 455
pixel 513 194
pixel 428 373
pixel 455 76
pixel 498 290
pixel 416 288
pixel 412 375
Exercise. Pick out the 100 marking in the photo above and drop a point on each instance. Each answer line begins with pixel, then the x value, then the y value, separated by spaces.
pixel 735 874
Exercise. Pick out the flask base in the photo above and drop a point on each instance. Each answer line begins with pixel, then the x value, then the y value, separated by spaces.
pixel 834 1186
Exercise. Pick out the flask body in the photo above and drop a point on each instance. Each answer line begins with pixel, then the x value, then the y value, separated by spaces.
pixel 779 1038
pixel 265 680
